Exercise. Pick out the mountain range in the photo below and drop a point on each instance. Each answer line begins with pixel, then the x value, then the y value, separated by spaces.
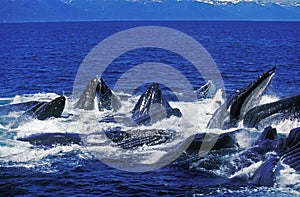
pixel 73 10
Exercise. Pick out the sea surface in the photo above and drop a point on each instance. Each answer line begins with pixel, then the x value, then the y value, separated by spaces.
pixel 39 61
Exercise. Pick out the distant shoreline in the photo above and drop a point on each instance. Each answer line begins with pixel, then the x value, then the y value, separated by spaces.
pixel 152 20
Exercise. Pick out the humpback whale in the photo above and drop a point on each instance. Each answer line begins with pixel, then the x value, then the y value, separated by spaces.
pixel 152 107
pixel 241 101
pixel 43 110
pixel 121 138
pixel 6 109
pixel 86 100
pixel 288 108
pixel 227 154
pixel 106 99
pixel 52 139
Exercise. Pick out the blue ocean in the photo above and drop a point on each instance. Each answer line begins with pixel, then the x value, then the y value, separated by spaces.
pixel 40 61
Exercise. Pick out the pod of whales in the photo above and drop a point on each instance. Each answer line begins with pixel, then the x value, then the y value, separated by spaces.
pixel 152 107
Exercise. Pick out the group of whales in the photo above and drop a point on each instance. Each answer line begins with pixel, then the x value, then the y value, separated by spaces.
pixel 152 107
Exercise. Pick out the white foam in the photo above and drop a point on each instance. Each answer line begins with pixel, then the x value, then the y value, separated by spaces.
pixel 248 171
pixel 285 126
pixel 194 120
pixel 268 99
pixel 288 180
pixel 34 97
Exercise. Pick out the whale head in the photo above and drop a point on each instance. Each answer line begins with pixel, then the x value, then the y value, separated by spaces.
pixel 53 108
pixel 152 106
pixel 240 102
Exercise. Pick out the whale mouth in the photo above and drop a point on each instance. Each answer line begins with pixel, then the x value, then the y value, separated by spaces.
pixel 240 102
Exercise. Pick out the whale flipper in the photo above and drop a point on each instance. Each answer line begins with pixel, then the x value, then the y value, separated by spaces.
pixel 236 106
pixel 152 107
pixel 288 107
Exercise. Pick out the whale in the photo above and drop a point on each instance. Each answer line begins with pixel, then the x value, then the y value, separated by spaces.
pixel 106 98
pixel 271 151
pixel 153 107
pixel 286 108
pixel 48 140
pixel 121 138
pixel 240 102
pixel 87 98
pixel 227 154
pixel 42 111
pixel 150 108
pixel 16 107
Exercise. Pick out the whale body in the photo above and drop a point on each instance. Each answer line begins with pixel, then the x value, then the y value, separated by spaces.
pixel 286 108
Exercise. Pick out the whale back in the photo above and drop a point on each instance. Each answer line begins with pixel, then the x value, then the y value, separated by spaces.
pixel 48 140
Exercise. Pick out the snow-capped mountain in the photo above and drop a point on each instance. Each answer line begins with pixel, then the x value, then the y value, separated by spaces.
pixel 61 10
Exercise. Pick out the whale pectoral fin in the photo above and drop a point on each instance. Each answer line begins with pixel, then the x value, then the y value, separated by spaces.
pixel 265 175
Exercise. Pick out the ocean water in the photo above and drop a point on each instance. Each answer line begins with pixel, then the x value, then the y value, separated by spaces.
pixel 39 61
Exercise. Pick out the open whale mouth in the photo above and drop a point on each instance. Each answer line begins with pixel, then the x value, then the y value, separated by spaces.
pixel 240 102
pixel 248 97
